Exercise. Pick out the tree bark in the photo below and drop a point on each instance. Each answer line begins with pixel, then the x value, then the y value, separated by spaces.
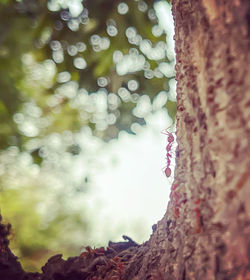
pixel 205 231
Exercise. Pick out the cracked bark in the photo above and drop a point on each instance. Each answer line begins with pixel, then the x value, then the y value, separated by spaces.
pixel 205 231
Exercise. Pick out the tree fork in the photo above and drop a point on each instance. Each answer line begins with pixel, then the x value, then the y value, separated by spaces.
pixel 205 231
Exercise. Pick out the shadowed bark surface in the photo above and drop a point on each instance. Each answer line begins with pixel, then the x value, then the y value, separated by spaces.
pixel 205 231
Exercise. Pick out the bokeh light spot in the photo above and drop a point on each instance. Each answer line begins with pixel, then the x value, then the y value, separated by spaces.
pixel 102 82
pixel 112 30
pixel 157 30
pixel 122 8
pixel 63 77
pixel 133 85
pixel 81 47
pixel 142 6
pixel 80 63
pixel 72 50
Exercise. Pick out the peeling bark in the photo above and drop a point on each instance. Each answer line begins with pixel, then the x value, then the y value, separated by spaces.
pixel 205 231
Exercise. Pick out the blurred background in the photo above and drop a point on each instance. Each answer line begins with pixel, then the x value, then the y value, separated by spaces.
pixel 85 89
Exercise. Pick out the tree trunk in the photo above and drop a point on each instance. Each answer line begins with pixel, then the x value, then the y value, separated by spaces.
pixel 205 231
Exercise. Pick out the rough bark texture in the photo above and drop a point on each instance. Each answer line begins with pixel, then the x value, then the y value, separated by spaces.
pixel 205 231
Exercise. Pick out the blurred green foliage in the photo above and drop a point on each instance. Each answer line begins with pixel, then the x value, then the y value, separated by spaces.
pixel 65 67
pixel 34 235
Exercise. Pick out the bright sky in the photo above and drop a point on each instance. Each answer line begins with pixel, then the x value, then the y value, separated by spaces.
pixel 131 194
pixel 128 197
